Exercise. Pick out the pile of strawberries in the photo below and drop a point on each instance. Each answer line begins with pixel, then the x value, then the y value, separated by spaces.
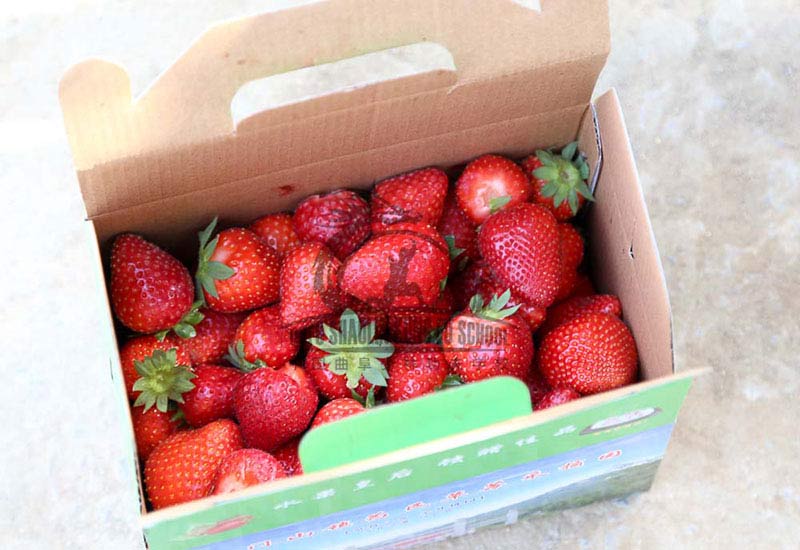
pixel 353 301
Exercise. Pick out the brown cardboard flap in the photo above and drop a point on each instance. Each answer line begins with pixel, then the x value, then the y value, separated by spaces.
pixel 623 252
pixel 510 61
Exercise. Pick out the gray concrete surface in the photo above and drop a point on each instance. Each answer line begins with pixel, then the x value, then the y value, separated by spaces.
pixel 710 90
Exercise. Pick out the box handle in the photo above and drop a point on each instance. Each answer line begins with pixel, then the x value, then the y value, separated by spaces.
pixel 398 426
pixel 191 101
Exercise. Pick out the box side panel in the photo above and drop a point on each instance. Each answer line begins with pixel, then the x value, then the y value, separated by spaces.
pixel 603 470
pixel 622 249
pixel 654 407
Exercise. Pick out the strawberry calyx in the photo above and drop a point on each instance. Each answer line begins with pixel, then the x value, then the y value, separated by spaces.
pixel 161 380
pixel 208 272
pixel 367 401
pixel 496 308
pixel 566 176
pixel 236 357
pixel 185 327
pixel 352 352
pixel 450 381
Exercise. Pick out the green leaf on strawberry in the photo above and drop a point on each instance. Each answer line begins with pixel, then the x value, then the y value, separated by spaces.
pixel 161 380
pixel 565 175
pixel 185 327
pixel 497 203
pixel 352 352
pixel 236 357
pixel 496 308
pixel 450 381
pixel 207 271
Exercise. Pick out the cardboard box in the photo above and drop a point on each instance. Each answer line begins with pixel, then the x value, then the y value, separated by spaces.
pixel 164 164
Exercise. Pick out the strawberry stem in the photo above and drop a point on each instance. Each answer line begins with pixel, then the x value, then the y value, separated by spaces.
pixel 566 176
pixel 352 352
pixel 161 380
pixel 208 272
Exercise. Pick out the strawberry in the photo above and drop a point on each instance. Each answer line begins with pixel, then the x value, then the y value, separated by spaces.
pixel 264 339
pixel 460 233
pixel 488 184
pixel 350 355
pixel 151 428
pixel 165 363
pixel 183 467
pixel 415 370
pixel 151 291
pixel 555 397
pixel 329 384
pixel 339 220
pixel 537 385
pixel 559 181
pixel 213 335
pixel 309 286
pixel 212 395
pixel 571 247
pixel 534 315
pixel 522 247
pixel 574 307
pixel 414 324
pixel 245 468
pixel 488 340
pixel 467 283
pixel 583 286
pixel 591 353
pixel 274 406
pixel 288 457
pixel 403 267
pixel 336 410
pixel 236 270
pixel 416 196
pixel 277 230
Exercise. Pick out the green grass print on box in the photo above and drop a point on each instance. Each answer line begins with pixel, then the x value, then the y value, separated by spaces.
pixel 649 408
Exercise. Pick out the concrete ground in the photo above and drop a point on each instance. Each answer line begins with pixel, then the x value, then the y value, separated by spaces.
pixel 710 90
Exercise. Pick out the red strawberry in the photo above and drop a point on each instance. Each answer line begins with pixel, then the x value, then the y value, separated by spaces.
pixel 277 230
pixel 555 397
pixel 592 353
pixel 571 246
pixel 167 362
pixel 336 410
pixel 309 286
pixel 264 339
pixel 415 370
pixel 274 406
pixel 183 467
pixel 245 468
pixel 237 271
pixel 574 307
pixel 150 290
pixel 348 358
pixel 213 336
pixel 488 184
pixel 559 180
pixel 583 286
pixel 414 324
pixel 289 459
pixel 339 220
pixel 521 246
pixel 212 395
pixel 537 385
pixel 329 384
pixel 460 233
pixel 416 196
pixel 403 267
pixel 151 428
pixel 467 283
pixel 534 315
pixel 488 340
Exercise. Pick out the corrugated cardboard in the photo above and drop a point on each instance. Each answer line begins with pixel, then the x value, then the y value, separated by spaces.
pixel 163 164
